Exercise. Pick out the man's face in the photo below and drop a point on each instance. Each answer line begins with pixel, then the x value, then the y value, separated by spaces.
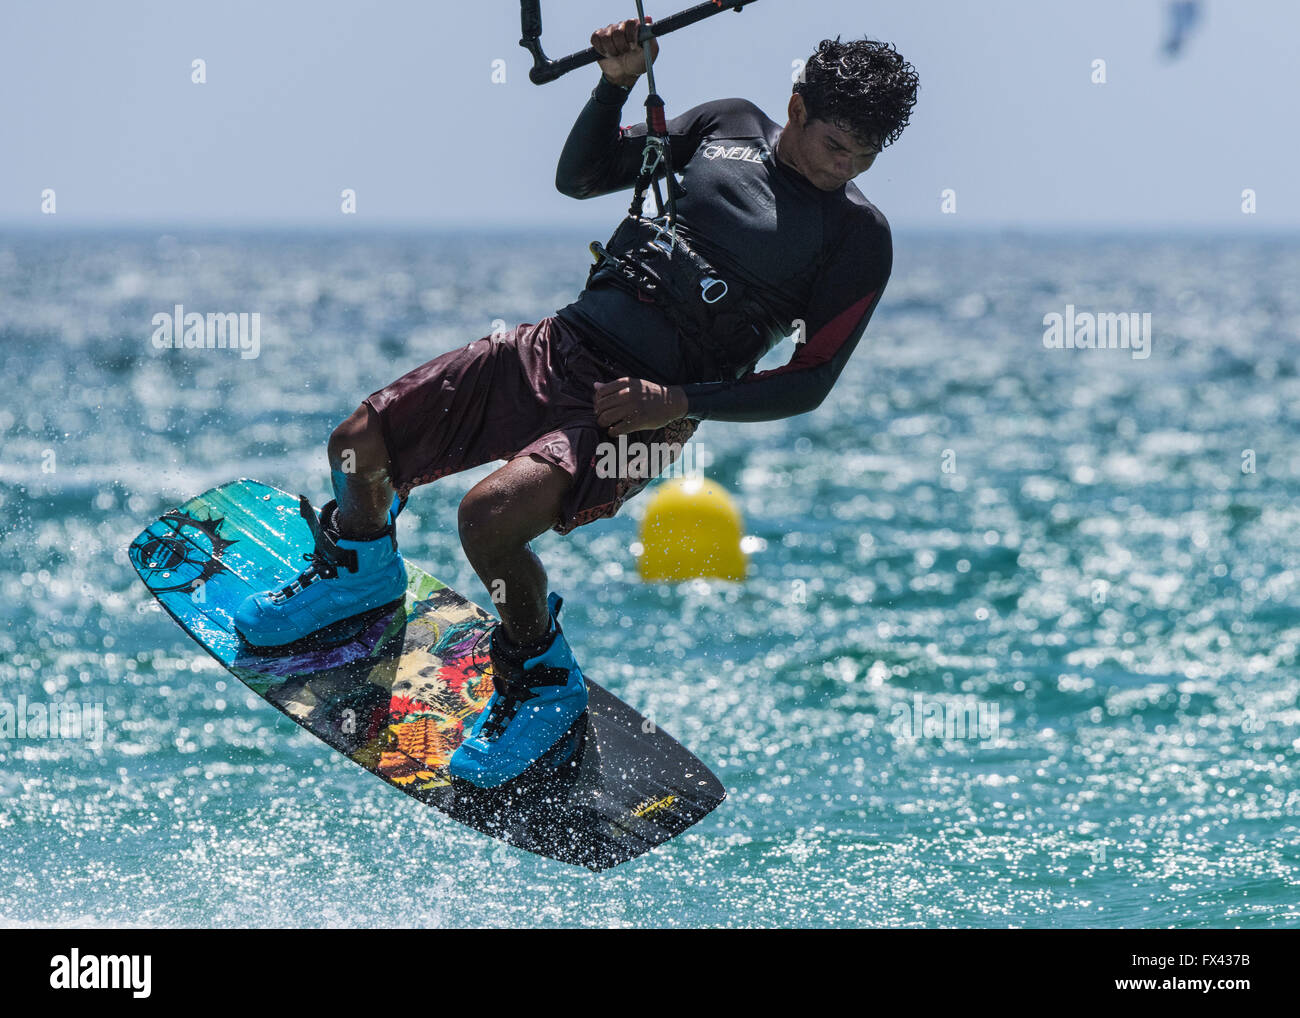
pixel 827 155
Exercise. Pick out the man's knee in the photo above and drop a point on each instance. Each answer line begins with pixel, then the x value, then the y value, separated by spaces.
pixel 357 445
pixel 489 520
pixel 512 506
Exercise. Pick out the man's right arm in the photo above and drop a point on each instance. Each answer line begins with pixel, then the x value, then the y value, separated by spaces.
pixel 597 159
pixel 600 157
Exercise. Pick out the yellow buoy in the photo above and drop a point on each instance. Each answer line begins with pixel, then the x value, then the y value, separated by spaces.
pixel 691 529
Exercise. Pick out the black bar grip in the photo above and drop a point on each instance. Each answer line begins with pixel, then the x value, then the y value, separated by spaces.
pixel 530 18
pixel 548 70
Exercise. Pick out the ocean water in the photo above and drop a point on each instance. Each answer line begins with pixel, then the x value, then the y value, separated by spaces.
pixel 1085 562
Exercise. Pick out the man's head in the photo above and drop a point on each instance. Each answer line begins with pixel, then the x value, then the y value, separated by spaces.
pixel 854 99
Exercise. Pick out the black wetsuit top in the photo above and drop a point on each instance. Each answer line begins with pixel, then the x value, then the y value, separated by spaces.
pixel 822 257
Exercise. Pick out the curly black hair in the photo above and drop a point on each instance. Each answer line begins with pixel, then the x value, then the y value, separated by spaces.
pixel 864 87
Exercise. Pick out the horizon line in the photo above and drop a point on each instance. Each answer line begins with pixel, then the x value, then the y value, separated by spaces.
pixel 1088 228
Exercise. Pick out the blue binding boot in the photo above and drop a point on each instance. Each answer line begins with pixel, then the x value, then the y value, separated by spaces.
pixel 348 585
pixel 535 702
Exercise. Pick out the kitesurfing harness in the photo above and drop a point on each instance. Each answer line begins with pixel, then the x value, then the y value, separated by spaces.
pixel 716 314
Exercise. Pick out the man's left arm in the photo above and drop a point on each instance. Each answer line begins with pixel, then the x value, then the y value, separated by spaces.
pixel 845 295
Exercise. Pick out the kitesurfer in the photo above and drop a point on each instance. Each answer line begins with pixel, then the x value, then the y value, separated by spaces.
pixel 769 236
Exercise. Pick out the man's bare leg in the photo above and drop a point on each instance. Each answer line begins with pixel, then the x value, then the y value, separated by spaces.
pixel 360 472
pixel 375 577
pixel 499 516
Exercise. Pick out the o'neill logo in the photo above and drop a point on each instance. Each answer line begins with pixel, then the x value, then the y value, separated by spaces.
pixel 745 153
pixel 72 971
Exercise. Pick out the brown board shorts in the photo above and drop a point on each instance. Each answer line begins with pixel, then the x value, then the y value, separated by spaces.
pixel 525 392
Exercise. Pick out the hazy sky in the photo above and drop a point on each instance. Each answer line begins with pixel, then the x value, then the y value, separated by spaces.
pixel 396 100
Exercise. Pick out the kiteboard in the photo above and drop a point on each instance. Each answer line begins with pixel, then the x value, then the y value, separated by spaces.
pixel 399 694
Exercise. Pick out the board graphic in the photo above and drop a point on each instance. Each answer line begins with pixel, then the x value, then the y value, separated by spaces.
pixel 400 695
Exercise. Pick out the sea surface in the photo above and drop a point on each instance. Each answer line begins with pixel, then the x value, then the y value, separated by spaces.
pixel 1085 563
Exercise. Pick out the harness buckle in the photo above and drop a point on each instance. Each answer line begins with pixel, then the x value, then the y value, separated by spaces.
pixel 710 283
pixel 660 233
